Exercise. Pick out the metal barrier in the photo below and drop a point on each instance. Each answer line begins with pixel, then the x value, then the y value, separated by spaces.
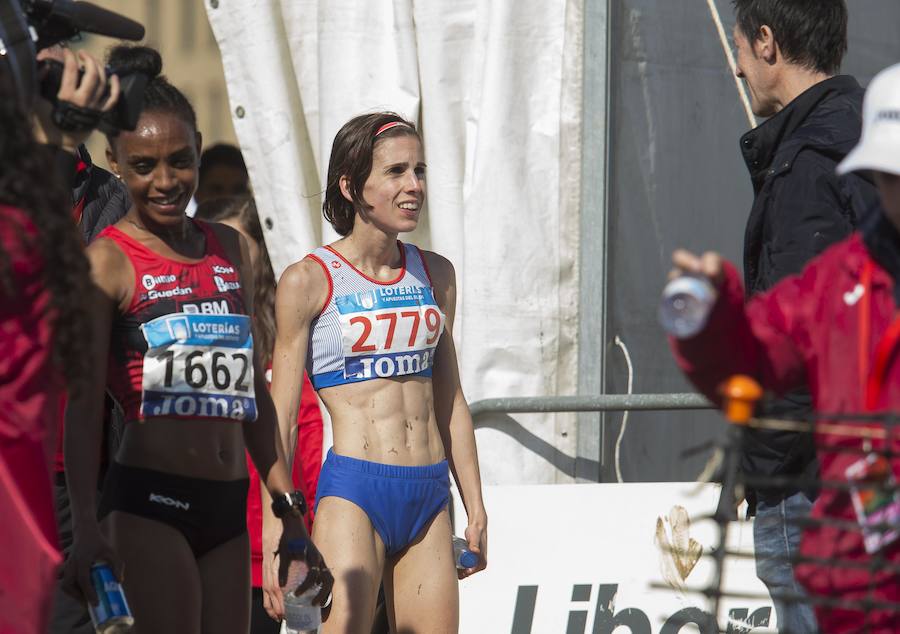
pixel 877 602
pixel 600 403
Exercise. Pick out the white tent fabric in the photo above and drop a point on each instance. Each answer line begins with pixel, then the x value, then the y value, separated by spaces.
pixel 496 90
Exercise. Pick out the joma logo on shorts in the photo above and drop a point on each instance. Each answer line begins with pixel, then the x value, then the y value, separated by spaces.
pixel 162 499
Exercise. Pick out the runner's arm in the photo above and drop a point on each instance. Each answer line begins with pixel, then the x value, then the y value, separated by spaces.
pixel 300 295
pixel 452 412
pixel 83 442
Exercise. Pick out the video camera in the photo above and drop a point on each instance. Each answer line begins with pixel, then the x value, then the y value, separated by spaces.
pixel 28 26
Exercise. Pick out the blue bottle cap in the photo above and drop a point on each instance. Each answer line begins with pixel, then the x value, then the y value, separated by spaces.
pixel 468 559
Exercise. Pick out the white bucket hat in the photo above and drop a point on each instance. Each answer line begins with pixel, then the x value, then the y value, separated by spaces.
pixel 879 147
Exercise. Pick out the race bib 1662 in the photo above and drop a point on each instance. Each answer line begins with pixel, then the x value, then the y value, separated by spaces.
pixel 199 366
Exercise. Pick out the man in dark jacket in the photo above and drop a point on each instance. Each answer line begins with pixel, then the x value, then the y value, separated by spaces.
pixel 788 53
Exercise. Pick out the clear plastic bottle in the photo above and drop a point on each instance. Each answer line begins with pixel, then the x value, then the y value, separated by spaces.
pixel 300 615
pixel 463 557
pixel 686 304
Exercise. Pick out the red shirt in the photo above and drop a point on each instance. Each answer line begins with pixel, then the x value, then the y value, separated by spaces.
pixel 30 393
pixel 808 327
pixel 162 287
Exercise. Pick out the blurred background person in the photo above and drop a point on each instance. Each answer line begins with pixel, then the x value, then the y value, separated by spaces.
pixel 43 322
pixel 305 438
pixel 222 173
pixel 43 280
pixel 43 326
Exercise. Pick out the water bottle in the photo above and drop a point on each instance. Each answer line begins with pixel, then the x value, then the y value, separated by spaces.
pixel 463 557
pixel 685 305
pixel 299 612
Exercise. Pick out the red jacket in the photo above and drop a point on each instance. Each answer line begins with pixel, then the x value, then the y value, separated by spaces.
pixel 812 327
pixel 30 392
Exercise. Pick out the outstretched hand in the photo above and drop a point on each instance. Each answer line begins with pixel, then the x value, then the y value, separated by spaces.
pixel 708 265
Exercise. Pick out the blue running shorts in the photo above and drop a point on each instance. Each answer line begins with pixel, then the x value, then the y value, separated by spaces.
pixel 400 501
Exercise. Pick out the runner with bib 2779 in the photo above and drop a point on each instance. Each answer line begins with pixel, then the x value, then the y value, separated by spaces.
pixel 370 318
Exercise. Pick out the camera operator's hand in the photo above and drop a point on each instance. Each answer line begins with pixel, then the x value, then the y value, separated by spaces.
pixel 85 91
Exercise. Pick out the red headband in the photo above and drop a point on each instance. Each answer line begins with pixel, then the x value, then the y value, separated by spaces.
pixel 389 125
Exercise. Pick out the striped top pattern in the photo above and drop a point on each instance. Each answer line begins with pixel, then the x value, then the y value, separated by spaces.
pixel 371 329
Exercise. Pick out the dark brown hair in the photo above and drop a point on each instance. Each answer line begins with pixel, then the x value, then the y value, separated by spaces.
pixel 30 182
pixel 243 208
pixel 351 156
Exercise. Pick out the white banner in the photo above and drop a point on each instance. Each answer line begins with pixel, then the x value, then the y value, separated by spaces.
pixel 588 558
pixel 496 90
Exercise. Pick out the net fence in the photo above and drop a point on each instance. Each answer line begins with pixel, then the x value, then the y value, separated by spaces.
pixel 850 555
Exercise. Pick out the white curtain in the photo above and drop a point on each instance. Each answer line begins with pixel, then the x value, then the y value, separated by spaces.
pixel 495 86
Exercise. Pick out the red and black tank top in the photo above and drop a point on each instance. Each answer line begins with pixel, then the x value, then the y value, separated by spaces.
pixel 183 348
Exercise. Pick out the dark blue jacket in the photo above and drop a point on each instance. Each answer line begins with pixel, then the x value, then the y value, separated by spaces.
pixel 801 206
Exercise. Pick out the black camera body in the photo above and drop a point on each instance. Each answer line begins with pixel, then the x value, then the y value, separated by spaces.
pixel 28 26
pixel 125 113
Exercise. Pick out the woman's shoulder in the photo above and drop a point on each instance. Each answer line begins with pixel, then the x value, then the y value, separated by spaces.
pixel 306 273
pixel 305 287
pixel 108 248
pixel 111 267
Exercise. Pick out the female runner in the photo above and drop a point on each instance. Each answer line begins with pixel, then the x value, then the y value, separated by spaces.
pixel 240 214
pixel 171 314
pixel 371 319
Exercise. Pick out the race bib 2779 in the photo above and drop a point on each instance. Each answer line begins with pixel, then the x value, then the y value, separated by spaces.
pixel 389 331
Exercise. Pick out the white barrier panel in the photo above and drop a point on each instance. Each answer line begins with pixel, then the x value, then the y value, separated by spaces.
pixel 584 559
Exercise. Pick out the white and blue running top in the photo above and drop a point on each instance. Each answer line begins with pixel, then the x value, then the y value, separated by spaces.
pixel 369 329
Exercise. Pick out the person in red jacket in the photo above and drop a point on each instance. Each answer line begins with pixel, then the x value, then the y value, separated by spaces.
pixel 43 275
pixel 240 214
pixel 836 326
pixel 43 320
